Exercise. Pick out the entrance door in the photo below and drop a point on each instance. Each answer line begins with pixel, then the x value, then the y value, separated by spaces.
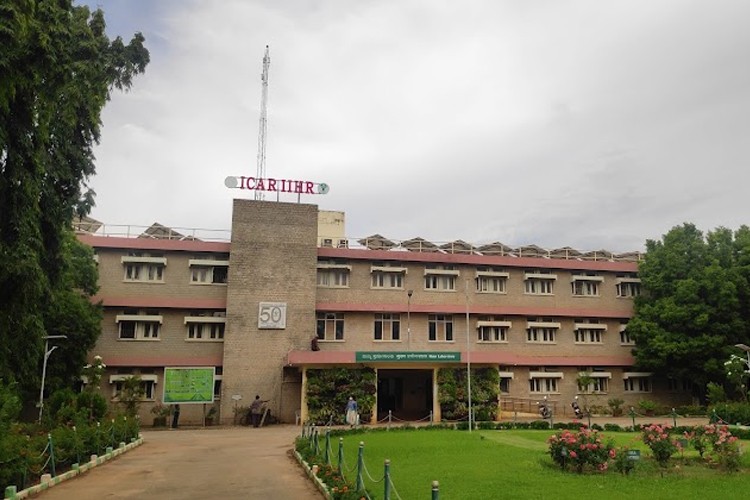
pixel 407 394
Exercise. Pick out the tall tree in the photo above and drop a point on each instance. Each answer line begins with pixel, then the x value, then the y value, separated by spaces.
pixel 694 307
pixel 57 69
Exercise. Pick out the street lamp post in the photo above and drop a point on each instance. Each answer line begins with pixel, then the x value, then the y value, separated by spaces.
pixel 409 293
pixel 468 350
pixel 745 348
pixel 47 352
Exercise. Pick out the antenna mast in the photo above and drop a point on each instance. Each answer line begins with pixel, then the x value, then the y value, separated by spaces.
pixel 263 126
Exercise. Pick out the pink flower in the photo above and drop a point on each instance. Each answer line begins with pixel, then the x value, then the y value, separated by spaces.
pixel 612 453
pixel 573 454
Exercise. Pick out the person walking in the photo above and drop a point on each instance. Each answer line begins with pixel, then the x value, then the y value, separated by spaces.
pixel 256 410
pixel 351 412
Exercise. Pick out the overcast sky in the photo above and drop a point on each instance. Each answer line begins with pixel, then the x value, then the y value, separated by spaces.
pixel 592 124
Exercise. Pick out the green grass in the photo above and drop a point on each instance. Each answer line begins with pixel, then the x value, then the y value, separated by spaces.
pixel 514 464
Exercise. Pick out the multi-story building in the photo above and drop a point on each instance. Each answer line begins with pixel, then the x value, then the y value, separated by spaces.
pixel 251 306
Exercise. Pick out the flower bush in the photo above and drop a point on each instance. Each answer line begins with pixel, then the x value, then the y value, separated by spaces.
pixel 725 449
pixel 662 446
pixel 580 450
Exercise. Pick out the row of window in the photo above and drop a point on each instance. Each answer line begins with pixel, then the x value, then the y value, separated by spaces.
pixel 151 267
pixel 387 327
pixel 598 385
pixel 202 325
pixel 488 280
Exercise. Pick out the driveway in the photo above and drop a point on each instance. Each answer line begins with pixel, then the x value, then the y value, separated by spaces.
pixel 215 462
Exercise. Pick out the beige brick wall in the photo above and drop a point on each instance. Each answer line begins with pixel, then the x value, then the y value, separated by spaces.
pixel 273 259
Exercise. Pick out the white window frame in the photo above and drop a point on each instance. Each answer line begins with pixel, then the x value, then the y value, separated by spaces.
pixel 542 332
pixel 638 382
pixel 203 271
pixel 546 385
pixel 493 332
pixel 333 275
pixel 389 325
pixel 387 278
pixel 440 278
pixel 539 283
pixel 143 269
pixel 584 285
pixel 205 328
pixel 491 281
pixel 627 288
pixel 148 384
pixel 330 326
pixel 599 383
pixel 625 338
pixel 146 327
pixel 440 328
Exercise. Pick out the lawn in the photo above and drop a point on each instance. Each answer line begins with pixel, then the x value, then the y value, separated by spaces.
pixel 514 464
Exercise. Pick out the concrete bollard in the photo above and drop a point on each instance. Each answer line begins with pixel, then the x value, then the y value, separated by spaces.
pixel 46 478
pixel 10 492
pixel 94 457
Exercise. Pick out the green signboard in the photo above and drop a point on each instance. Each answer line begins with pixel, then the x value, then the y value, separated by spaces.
pixel 188 385
pixel 409 357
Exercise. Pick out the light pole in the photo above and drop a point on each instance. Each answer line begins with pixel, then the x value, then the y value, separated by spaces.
pixel 747 351
pixel 47 352
pixel 409 293
pixel 468 349
pixel 745 348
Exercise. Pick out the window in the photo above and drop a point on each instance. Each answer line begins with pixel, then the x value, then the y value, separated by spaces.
pixel 206 325
pixel 588 336
pixel 585 284
pixel 505 384
pixel 147 383
pixel 141 266
pixel 441 278
pixel 542 385
pixel 542 331
pixel 637 382
pixel 330 326
pixel 679 385
pixel 333 274
pixel 387 327
pixel 440 327
pixel 135 326
pixel 625 338
pixel 205 331
pixel 387 275
pixel 628 285
pixel 493 334
pixel 491 280
pixel 492 329
pixel 599 381
pixel 209 269
pixel 539 282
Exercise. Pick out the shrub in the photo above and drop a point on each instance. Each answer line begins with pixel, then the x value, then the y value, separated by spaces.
pixel 580 451
pixel 657 438
pixel 733 412
pixel 647 406
pixel 615 404
pixel 725 450
pixel 613 428
pixel 622 462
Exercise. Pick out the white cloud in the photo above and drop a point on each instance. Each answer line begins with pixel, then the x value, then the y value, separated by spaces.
pixel 582 123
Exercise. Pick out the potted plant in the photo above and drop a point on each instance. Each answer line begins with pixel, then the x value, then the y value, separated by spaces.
pixel 648 407
pixel 615 404
pixel 161 413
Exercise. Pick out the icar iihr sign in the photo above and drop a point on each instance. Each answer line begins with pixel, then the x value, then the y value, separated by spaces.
pixel 276 185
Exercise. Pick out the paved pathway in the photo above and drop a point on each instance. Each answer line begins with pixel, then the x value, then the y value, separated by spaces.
pixel 217 462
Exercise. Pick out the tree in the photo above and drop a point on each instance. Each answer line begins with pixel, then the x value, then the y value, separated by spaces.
pixel 57 69
pixel 694 306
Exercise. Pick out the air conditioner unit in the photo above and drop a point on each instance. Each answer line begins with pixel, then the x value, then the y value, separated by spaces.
pixel 327 242
pixel 343 244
